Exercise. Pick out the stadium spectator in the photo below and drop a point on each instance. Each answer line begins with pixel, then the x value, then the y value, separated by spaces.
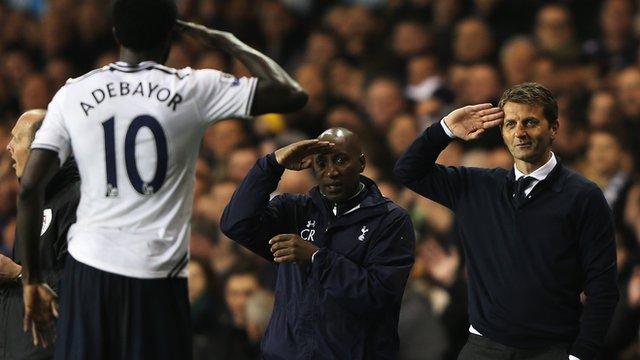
pixel 616 47
pixel 517 57
pixel 207 307
pixel 472 41
pixel 608 165
pixel 383 101
pixel 259 308
pixel 602 111
pixel 423 77
pixel 554 33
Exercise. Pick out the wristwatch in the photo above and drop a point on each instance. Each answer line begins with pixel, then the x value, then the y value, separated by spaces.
pixel 18 278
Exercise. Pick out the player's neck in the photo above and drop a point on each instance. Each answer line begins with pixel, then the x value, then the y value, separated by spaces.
pixel 135 57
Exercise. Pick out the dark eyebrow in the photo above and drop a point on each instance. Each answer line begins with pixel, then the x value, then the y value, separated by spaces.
pixel 525 119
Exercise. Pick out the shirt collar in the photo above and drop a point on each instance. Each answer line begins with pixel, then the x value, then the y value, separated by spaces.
pixel 125 65
pixel 349 205
pixel 540 173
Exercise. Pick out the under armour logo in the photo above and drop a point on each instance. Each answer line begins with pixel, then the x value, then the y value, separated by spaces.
pixel 364 231
pixel 311 223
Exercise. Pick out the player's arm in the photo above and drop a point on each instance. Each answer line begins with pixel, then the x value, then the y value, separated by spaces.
pixel 276 90
pixel 40 168
pixel 39 299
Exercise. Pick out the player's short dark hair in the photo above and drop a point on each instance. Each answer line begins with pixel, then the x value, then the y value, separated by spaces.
pixel 144 24
pixel 532 94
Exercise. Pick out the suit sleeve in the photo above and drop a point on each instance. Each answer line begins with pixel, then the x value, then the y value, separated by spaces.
pixel 250 218
pixel 598 259
pixel 380 280
pixel 417 168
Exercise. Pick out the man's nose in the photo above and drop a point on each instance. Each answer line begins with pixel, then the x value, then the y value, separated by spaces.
pixel 10 147
pixel 520 130
pixel 332 171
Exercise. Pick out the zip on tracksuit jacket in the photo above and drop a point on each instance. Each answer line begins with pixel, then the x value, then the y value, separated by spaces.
pixel 345 304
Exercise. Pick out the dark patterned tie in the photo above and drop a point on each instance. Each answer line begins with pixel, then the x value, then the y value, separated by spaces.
pixel 521 185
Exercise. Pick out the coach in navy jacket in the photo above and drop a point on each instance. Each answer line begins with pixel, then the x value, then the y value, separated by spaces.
pixel 344 252
pixel 535 237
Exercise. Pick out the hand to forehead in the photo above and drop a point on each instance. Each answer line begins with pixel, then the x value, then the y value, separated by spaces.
pixel 296 156
pixel 471 121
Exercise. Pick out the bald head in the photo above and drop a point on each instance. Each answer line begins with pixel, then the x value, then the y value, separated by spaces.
pixel 22 136
pixel 32 119
pixel 349 140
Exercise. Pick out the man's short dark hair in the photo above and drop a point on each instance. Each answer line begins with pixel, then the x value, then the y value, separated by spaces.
pixel 243 269
pixel 144 24
pixel 532 94
pixel 618 133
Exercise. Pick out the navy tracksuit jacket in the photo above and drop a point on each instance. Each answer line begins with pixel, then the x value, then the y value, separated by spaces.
pixel 345 304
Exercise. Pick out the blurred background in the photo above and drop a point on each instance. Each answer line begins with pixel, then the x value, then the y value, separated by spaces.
pixel 386 70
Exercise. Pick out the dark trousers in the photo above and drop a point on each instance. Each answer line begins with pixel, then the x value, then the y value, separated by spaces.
pixel 104 316
pixel 481 348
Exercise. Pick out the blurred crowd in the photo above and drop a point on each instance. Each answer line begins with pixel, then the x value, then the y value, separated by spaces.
pixel 386 70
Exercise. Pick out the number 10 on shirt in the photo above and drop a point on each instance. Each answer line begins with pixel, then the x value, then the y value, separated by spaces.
pixel 142 187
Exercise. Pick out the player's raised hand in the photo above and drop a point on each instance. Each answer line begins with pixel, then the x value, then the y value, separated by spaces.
pixel 297 156
pixel 471 121
pixel 210 36
pixel 40 307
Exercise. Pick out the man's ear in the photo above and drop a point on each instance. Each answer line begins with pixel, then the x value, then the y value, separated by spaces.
pixel 554 129
pixel 363 162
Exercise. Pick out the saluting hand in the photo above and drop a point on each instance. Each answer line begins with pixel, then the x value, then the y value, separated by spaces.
pixel 210 36
pixel 40 307
pixel 297 155
pixel 287 248
pixel 471 121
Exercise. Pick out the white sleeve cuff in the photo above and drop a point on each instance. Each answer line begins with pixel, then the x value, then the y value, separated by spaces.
pixel 446 129
pixel 314 255
pixel 571 357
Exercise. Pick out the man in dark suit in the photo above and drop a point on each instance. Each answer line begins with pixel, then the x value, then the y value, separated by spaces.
pixel 535 237
pixel 61 200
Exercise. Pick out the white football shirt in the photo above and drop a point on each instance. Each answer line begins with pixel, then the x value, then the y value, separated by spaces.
pixel 135 132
